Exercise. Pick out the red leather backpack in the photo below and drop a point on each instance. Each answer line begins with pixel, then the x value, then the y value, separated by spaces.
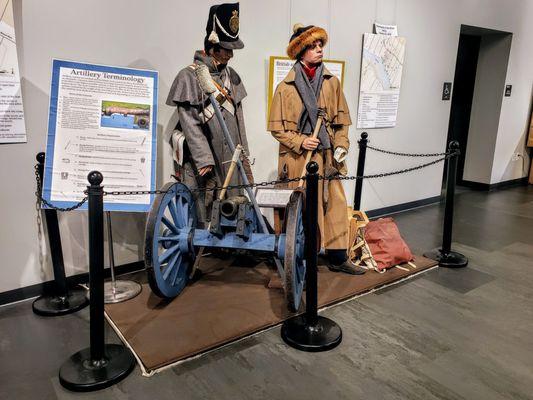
pixel 386 244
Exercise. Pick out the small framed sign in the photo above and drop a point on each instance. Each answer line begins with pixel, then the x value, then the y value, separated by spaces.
pixel 272 197
pixel 508 89
pixel 446 91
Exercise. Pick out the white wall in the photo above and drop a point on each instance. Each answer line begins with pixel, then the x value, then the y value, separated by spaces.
pixel 162 35
pixel 516 110
pixel 486 107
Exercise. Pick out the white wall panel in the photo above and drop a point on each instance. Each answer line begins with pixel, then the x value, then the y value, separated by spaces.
pixel 163 35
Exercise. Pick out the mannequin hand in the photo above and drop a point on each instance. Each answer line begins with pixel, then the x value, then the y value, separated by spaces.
pixel 205 170
pixel 340 154
pixel 310 143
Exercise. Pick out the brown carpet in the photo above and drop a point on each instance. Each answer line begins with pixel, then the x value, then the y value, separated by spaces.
pixel 223 306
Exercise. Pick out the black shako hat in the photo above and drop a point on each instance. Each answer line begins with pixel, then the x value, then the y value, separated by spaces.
pixel 223 27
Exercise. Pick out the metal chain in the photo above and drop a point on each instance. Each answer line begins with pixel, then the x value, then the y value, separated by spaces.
pixel 47 203
pixel 385 174
pixel 253 185
pixel 39 221
pixel 273 183
pixel 397 153
pixel 200 190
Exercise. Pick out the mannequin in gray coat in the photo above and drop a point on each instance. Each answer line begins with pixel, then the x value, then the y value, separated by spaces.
pixel 202 159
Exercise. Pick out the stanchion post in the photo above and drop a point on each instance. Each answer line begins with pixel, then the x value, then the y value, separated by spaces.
pixel 62 301
pixel 96 264
pixel 360 171
pixel 311 332
pixel 445 256
pixel 100 365
pixel 311 257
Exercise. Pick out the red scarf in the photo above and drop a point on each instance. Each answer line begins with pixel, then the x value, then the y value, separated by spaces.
pixel 309 71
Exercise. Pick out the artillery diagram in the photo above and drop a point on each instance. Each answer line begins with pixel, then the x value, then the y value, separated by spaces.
pixel 125 115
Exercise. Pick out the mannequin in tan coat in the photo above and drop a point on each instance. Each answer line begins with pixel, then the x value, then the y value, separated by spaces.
pixel 287 123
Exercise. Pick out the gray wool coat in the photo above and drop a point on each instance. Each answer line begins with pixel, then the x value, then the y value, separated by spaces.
pixel 205 141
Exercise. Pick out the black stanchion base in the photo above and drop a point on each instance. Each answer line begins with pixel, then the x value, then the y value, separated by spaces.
pixel 325 335
pixel 53 306
pixel 451 259
pixel 80 374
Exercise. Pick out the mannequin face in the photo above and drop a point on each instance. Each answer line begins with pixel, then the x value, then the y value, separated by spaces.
pixel 221 55
pixel 313 54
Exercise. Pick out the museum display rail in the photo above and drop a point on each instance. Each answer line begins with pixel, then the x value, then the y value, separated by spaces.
pixel 172 238
pixel 445 255
pixel 309 331
pixel 101 364
pixel 63 300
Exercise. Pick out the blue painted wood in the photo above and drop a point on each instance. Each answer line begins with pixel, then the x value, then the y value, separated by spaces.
pixel 257 241
pixel 170 252
pixel 299 276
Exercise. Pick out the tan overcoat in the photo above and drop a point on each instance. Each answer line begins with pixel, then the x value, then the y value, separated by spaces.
pixel 285 112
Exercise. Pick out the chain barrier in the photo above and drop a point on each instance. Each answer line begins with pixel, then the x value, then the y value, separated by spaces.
pixel 253 185
pixel 284 181
pixel 200 190
pixel 397 153
pixel 39 221
pixel 385 174
pixel 40 198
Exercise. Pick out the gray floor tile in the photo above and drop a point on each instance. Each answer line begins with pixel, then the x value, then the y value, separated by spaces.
pixel 448 334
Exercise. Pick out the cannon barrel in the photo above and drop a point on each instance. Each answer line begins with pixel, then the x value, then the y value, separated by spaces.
pixel 124 110
pixel 230 206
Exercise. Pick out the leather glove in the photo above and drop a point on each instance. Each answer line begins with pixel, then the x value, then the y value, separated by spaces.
pixel 340 154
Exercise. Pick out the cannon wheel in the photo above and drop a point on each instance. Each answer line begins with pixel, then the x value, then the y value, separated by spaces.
pixel 167 248
pixel 294 251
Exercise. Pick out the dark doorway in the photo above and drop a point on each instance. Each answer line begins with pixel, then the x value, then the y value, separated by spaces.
pixel 462 95
pixel 477 93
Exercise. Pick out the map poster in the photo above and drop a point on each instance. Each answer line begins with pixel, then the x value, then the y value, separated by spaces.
pixel 279 67
pixel 12 128
pixel 105 119
pixel 381 77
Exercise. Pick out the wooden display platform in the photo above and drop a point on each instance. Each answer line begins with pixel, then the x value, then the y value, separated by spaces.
pixel 223 306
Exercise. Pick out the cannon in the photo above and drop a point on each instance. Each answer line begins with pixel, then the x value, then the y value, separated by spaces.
pixel 125 111
pixel 172 239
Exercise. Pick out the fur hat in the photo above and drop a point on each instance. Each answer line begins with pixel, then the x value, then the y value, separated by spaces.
pixel 304 36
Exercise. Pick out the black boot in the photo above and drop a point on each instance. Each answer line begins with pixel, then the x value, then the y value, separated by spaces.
pixel 338 262
pixel 347 267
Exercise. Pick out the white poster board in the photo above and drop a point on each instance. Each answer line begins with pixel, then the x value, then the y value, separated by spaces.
pixel 105 119
pixel 381 77
pixel 12 127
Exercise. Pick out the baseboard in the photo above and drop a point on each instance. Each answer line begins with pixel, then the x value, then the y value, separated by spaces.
pixel 39 289
pixel 495 186
pixel 380 212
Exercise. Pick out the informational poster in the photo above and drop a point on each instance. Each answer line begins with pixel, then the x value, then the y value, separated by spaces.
pixel 381 77
pixel 12 128
pixel 280 67
pixel 102 119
